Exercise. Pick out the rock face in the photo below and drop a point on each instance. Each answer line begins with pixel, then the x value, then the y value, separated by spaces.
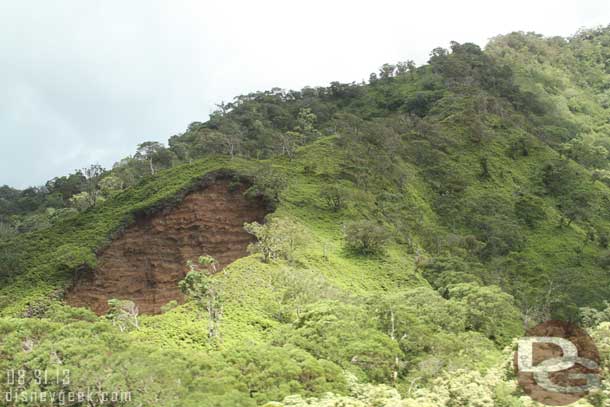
pixel 148 260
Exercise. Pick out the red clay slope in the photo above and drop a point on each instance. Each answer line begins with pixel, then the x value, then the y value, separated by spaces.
pixel 148 260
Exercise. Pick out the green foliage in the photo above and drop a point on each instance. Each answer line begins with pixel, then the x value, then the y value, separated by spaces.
pixel 300 288
pixel 470 163
pixel 604 260
pixel 110 186
pixel 245 376
pixel 207 261
pixel 206 294
pixel 9 263
pixel 530 210
pixel 123 314
pixel 591 317
pixel 268 184
pixel 445 271
pixel 81 201
pixel 489 311
pixel 276 239
pixel 169 306
pixel 335 197
pixel 344 334
pixel 270 372
pixel 602 176
pixel 586 154
pixel 492 222
pixel 366 237
pixel 155 154
pixel 519 148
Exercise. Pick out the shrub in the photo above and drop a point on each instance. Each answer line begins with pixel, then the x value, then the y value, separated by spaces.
pixel 445 271
pixel 604 260
pixel 169 306
pixel 272 372
pixel 585 153
pixel 530 210
pixel 601 176
pixel 268 184
pixel 276 239
pixel 9 263
pixel 604 240
pixel 558 178
pixel 6 229
pixel 345 334
pixel 366 237
pixel 490 311
pixel 519 148
pixel 334 196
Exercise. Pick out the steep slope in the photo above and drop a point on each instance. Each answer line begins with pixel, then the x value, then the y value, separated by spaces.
pixel 147 261
pixel 485 168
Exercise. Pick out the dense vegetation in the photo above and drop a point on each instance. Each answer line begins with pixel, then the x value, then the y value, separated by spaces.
pixel 422 221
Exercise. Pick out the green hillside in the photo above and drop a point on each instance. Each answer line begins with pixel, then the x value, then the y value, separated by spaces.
pixel 420 222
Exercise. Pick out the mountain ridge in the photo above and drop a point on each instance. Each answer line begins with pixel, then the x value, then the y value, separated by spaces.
pixel 419 223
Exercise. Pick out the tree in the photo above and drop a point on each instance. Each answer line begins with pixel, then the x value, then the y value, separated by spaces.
pixel 264 370
pixel 304 131
pixel 123 314
pixel 592 317
pixel 346 334
pixel 467 65
pixel 575 206
pixel 208 141
pixel 558 177
pixel 306 124
pixel 491 218
pixel 180 148
pixel 231 137
pixel 129 170
pixel 268 183
pixel 67 186
pixel 81 201
pixel 155 154
pixel 586 153
pixel 297 288
pixel 406 66
pixel 7 229
pixel 209 262
pixel 603 239
pixel 519 148
pixel 290 140
pixel 489 311
pixel 201 288
pixel 445 271
pixel 110 185
pixel 276 239
pixel 387 71
pixel 604 260
pixel 366 237
pixel 93 175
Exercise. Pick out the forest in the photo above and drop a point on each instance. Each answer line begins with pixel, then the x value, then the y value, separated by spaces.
pixel 419 223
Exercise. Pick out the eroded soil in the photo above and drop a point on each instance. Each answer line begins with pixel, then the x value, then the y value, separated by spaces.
pixel 148 260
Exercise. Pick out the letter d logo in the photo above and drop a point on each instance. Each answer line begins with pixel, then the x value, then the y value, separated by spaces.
pixel 557 363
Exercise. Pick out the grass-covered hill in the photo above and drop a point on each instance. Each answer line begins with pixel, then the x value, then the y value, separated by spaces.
pixel 421 221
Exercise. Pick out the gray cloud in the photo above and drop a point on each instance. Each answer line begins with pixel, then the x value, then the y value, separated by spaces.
pixel 85 81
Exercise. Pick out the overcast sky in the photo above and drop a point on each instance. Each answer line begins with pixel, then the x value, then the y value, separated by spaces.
pixel 85 81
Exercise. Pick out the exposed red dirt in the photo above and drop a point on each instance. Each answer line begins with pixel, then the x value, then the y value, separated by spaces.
pixel 148 260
